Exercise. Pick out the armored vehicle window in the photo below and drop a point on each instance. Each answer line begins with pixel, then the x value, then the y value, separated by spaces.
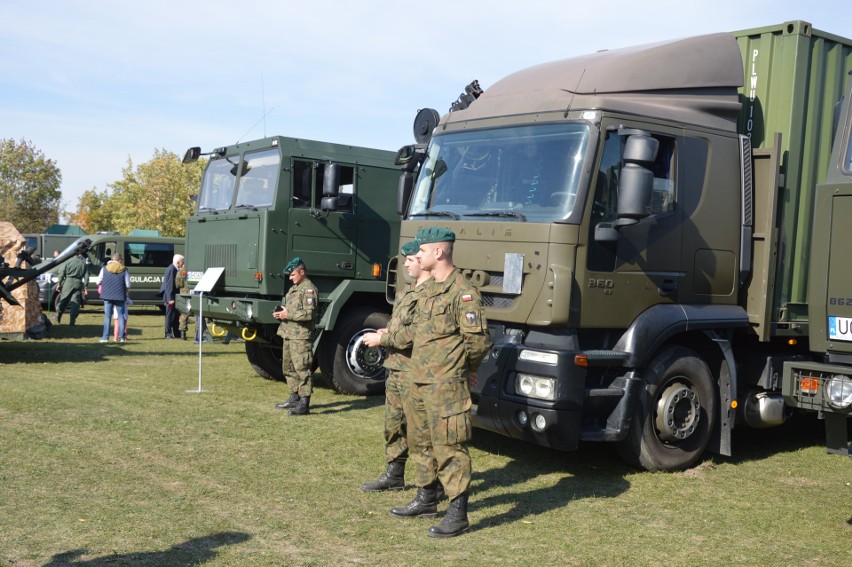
pixel 258 180
pixel 217 188
pixel 303 182
pixel 308 185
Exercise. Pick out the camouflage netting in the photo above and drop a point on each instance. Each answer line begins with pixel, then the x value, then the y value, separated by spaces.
pixel 26 320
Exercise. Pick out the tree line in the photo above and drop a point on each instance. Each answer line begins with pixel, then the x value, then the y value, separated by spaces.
pixel 157 194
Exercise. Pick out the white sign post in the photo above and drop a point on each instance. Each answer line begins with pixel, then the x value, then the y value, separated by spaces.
pixel 208 280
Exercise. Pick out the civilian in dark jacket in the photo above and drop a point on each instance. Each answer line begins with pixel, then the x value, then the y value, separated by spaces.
pixel 169 291
pixel 114 280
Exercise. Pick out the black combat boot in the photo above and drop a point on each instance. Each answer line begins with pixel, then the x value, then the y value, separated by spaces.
pixel 391 479
pixel 290 403
pixel 455 520
pixel 424 504
pixel 302 408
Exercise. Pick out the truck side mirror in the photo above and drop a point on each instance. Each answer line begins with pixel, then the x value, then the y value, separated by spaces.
pixel 636 181
pixel 191 155
pixel 635 185
pixel 403 192
pixel 330 187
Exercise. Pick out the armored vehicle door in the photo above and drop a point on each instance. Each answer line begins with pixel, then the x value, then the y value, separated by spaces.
pixel 325 239
pixel 640 265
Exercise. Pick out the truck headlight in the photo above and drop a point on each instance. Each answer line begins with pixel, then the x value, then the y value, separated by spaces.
pixel 838 393
pixel 535 386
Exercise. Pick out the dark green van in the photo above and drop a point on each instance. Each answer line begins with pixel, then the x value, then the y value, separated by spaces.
pixel 146 258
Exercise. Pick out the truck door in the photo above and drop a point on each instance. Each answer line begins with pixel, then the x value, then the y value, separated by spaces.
pixel 326 240
pixel 642 267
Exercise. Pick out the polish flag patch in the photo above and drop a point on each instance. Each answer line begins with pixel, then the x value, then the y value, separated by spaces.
pixel 467 297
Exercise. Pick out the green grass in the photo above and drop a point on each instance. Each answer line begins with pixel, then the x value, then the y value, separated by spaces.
pixel 106 459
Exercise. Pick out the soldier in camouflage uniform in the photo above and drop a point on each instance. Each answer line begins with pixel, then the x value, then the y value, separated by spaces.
pixel 71 286
pixel 398 338
pixel 297 324
pixel 183 287
pixel 450 340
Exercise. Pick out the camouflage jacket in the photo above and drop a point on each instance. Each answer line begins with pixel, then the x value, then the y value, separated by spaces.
pixel 451 333
pixel 300 301
pixel 400 335
pixel 181 282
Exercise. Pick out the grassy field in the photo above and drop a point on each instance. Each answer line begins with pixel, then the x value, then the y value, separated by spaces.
pixel 106 459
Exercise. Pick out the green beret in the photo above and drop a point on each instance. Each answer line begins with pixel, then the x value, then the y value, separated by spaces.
pixel 410 248
pixel 294 263
pixel 435 234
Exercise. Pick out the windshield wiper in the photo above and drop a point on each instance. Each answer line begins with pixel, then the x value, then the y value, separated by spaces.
pixel 515 214
pixel 245 206
pixel 208 210
pixel 435 214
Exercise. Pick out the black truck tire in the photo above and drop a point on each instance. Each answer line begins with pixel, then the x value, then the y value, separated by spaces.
pixel 348 366
pixel 265 359
pixel 675 414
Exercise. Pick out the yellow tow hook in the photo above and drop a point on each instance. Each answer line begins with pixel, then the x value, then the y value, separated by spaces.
pixel 216 330
pixel 246 336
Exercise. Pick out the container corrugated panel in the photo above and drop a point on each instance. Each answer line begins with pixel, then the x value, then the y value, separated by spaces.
pixel 794 77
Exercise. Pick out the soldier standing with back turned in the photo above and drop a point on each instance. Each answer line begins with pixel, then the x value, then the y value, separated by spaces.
pixel 451 339
pixel 297 324
pixel 73 277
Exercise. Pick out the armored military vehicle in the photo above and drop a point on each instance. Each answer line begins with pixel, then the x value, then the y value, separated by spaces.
pixel 263 202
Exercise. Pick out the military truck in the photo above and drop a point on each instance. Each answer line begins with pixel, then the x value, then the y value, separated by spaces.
pixel 824 384
pixel 264 202
pixel 638 222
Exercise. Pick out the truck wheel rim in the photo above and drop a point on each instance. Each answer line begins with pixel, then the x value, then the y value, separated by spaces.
pixel 363 360
pixel 678 412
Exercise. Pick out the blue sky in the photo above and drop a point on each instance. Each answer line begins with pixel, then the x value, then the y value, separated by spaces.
pixel 94 83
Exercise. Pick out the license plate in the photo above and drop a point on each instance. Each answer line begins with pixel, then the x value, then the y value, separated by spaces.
pixel 840 328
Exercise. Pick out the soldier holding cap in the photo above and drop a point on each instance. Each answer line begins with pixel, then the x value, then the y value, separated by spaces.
pixel 398 338
pixel 450 340
pixel 297 324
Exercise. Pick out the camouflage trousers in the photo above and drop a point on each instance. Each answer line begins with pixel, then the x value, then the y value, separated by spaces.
pixel 438 418
pixel 396 390
pixel 296 364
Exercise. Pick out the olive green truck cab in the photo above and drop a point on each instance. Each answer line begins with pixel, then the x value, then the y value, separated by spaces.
pixel 264 202
pixel 639 223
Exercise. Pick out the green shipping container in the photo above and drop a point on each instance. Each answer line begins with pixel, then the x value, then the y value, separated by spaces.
pixel 794 77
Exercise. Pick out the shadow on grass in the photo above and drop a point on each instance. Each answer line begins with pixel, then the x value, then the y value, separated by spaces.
pixel 347 405
pixel 191 552
pixel 592 472
pixel 799 432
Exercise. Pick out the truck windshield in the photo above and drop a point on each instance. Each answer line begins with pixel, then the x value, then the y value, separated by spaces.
pixel 258 179
pixel 522 173
pixel 217 187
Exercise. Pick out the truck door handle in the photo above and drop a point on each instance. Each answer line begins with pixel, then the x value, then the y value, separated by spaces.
pixel 667 287
pixel 345 265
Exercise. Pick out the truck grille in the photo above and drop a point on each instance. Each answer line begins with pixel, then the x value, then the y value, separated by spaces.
pixel 221 255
